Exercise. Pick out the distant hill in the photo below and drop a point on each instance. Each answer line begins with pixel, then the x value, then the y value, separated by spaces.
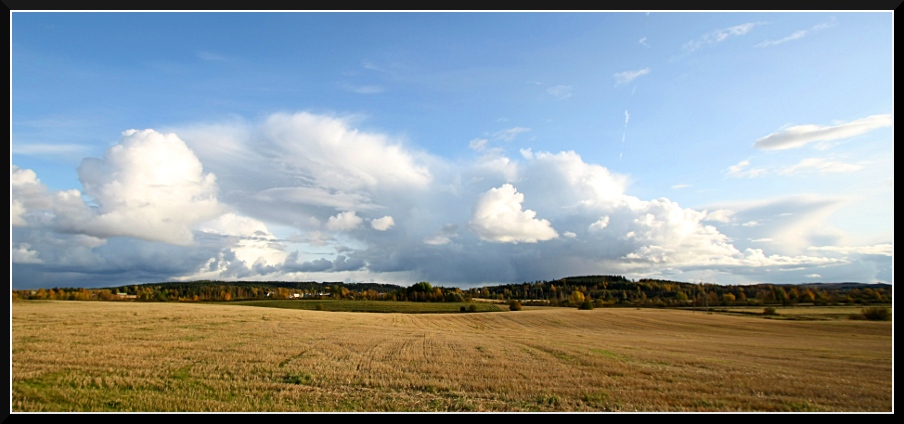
pixel 843 286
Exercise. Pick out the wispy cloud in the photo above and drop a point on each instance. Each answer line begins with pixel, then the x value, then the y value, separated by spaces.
pixel 719 36
pixel 800 135
pixel 819 165
pixel 628 76
pixel 740 170
pixel 560 91
pixel 643 42
pixel 478 144
pixel 362 89
pixel 48 149
pixel 805 166
pixel 798 34
pixel 680 186
pixel 878 249
pixel 510 134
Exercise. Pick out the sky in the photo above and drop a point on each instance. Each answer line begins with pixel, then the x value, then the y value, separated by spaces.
pixel 462 149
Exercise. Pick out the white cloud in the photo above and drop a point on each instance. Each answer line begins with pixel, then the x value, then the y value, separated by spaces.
pixel 643 42
pixel 230 224
pixel 295 169
pixel 498 165
pixel 878 249
pixel 628 76
pixel 22 254
pixel 736 169
pixel 449 231
pixel 720 215
pixel 569 234
pixel 16 212
pixel 821 166
pixel 665 233
pixel 478 144
pixel 438 240
pixel 344 221
pixel 680 186
pixel 719 36
pixel 750 224
pixel 250 240
pixel 796 35
pixel 588 185
pixel 756 258
pixel 740 171
pixel 800 135
pixel 382 224
pixel 510 134
pixel 600 224
pixel 26 193
pixel 339 156
pixel 150 186
pixel 498 218
pixel 813 276
pixel 560 91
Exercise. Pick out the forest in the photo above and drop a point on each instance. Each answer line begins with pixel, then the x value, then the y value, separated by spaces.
pixel 600 290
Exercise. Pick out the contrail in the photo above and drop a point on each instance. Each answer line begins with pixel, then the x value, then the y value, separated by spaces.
pixel 624 134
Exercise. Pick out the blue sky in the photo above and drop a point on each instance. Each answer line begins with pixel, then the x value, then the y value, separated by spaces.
pixel 458 148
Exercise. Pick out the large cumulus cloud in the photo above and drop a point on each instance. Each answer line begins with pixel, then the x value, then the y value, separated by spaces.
pixel 149 186
pixel 498 217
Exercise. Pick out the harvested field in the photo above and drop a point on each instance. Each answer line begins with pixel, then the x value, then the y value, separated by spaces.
pixel 129 356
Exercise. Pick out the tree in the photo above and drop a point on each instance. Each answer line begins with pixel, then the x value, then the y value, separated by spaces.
pixel 577 297
pixel 420 291
pixel 515 306
pixel 681 297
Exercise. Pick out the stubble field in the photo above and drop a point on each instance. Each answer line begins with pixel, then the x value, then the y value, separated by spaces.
pixel 128 356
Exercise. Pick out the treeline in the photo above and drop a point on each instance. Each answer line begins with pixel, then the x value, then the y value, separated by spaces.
pixel 613 290
pixel 601 290
pixel 201 291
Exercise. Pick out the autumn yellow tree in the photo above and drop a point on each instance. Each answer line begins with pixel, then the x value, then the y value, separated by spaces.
pixel 577 297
